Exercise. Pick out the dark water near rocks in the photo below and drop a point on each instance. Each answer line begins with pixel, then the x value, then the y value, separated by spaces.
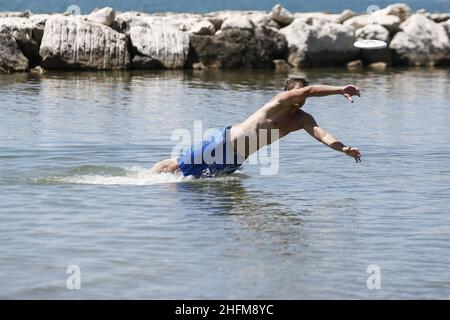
pixel 213 5
pixel 75 189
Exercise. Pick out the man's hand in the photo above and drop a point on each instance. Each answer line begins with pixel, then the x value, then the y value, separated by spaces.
pixel 294 96
pixel 353 152
pixel 349 91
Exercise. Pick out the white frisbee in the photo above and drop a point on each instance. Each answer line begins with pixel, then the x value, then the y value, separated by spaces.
pixel 370 44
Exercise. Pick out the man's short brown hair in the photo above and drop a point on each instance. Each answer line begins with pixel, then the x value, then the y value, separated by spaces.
pixel 293 83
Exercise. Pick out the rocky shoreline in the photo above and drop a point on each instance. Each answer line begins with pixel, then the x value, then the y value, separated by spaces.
pixel 106 40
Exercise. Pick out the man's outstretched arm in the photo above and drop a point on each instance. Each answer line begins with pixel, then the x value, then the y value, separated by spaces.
pixel 299 95
pixel 310 125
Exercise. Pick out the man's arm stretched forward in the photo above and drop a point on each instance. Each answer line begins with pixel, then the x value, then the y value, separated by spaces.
pixel 300 95
pixel 310 125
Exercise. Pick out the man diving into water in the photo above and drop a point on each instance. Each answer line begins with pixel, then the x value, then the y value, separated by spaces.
pixel 276 119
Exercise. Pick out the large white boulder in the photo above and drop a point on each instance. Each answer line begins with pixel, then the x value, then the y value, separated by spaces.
pixel 390 17
pixel 390 22
pixel 23 25
pixel 344 16
pixel 257 18
pixel 421 41
pixel 237 22
pixel 282 15
pixel 162 39
pixel 202 28
pixel 319 43
pixel 359 21
pixel 400 10
pixel 373 32
pixel 181 21
pixel 263 20
pixel 70 42
pixel 440 17
pixel 167 45
pixel 297 35
pixel 11 58
pixel 28 34
pixel 103 16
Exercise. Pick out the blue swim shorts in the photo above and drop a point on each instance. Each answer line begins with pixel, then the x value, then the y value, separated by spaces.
pixel 215 155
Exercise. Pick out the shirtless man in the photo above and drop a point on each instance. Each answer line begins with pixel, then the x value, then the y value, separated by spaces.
pixel 276 119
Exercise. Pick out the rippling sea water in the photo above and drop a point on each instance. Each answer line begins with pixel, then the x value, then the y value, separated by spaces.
pixel 76 189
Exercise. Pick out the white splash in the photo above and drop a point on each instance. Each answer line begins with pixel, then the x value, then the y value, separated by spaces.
pixel 135 176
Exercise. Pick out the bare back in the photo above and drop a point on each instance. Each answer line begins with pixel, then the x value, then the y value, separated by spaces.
pixel 274 115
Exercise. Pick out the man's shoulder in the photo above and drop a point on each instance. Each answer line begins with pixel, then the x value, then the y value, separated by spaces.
pixel 282 99
pixel 273 103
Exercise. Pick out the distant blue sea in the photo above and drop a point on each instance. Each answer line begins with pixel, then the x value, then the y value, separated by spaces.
pixel 43 6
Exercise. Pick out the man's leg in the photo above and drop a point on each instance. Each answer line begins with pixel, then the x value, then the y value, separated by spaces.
pixel 166 166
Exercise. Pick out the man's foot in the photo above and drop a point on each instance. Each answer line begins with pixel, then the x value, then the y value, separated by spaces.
pixel 166 166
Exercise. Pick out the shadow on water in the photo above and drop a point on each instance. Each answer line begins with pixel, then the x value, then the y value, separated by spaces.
pixel 253 210
pixel 277 224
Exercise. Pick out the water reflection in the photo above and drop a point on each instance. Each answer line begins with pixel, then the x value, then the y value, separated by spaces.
pixel 252 210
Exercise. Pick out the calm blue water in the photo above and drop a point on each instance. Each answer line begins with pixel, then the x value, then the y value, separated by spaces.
pixel 75 189
pixel 214 5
